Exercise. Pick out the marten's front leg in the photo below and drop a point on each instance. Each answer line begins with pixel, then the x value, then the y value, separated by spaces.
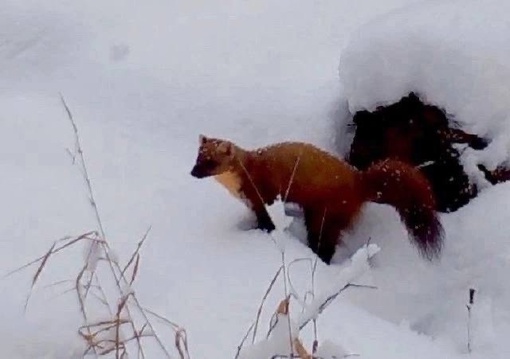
pixel 264 221
pixel 314 222
pixel 257 205
pixel 323 231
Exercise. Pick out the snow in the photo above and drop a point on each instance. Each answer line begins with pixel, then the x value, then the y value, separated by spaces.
pixel 142 81
pixel 284 329
pixel 278 342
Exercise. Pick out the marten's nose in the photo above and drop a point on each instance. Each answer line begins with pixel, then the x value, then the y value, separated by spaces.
pixel 195 172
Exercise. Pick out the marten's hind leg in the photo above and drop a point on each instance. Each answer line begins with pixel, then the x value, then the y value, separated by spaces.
pixel 329 239
pixel 314 224
pixel 323 232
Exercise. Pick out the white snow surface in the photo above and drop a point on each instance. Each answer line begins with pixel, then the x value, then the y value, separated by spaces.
pixel 144 79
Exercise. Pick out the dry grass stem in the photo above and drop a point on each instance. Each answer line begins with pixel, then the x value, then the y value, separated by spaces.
pixel 264 298
pixel 135 257
pixel 58 249
pixel 127 321
pixel 240 346
pixel 331 298
pixel 300 349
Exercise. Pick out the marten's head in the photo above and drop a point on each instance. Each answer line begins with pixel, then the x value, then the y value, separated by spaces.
pixel 215 156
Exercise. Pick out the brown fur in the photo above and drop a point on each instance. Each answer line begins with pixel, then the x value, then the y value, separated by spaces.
pixel 329 190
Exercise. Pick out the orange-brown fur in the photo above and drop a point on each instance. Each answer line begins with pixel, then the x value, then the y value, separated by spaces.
pixel 329 190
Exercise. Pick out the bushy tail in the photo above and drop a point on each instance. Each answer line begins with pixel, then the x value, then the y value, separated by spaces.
pixel 406 188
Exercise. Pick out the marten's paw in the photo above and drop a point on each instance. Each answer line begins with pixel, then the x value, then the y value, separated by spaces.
pixel 250 222
pixel 266 226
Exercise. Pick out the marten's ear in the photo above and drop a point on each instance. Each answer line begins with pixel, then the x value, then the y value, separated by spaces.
pixel 201 139
pixel 225 148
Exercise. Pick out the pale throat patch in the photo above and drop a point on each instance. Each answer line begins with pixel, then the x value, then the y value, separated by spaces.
pixel 232 182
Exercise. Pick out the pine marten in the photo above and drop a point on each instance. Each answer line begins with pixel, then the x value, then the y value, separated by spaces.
pixel 329 190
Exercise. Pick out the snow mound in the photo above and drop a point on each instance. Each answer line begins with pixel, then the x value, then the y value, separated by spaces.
pixel 454 54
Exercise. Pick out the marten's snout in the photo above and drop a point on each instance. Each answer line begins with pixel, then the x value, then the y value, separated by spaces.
pixel 205 168
pixel 197 172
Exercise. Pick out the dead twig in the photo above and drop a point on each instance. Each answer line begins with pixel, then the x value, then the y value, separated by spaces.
pixel 328 300
pixel 259 311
